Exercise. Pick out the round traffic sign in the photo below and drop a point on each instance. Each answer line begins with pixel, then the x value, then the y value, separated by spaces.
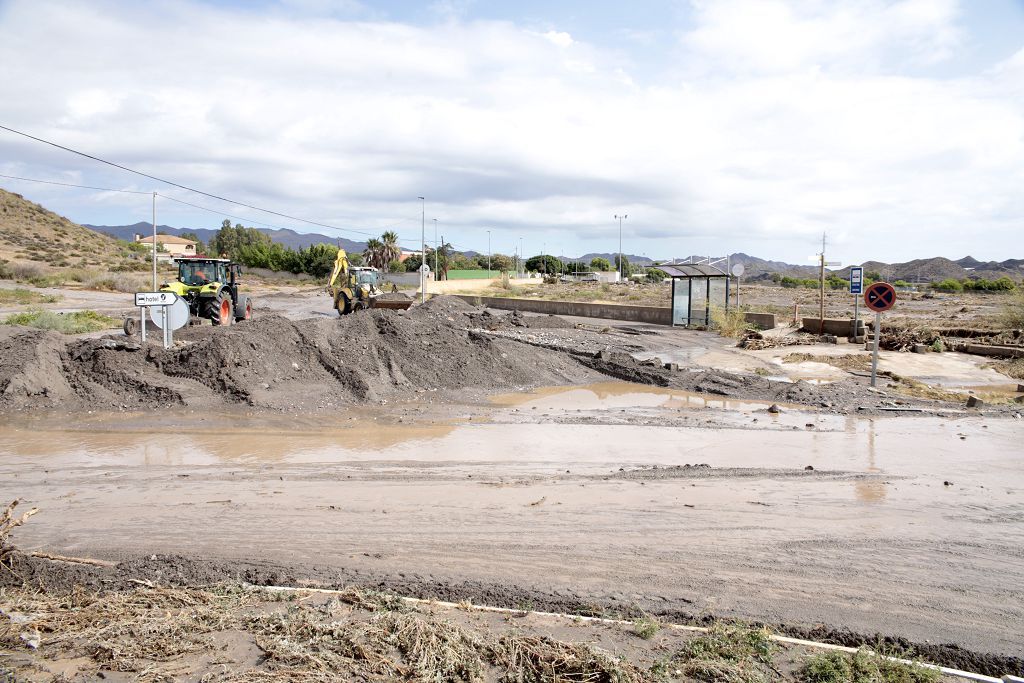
pixel 738 269
pixel 177 314
pixel 880 296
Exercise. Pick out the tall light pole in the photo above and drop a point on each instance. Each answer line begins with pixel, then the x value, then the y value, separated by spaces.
pixel 620 218
pixel 488 252
pixel 154 245
pixel 423 249
pixel 522 256
pixel 435 250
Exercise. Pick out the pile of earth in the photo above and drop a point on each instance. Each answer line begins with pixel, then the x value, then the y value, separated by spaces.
pixel 275 363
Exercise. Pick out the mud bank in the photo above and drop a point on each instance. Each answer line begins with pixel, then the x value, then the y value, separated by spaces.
pixel 275 363
pixel 319 364
pixel 177 571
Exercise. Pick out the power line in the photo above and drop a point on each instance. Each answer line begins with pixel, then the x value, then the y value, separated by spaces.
pixel 178 185
pixel 162 196
pixel 171 183
pixel 87 187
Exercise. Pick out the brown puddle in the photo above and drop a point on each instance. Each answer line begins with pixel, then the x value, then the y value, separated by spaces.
pixel 617 395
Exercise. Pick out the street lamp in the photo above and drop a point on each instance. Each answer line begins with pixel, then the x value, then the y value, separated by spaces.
pixel 620 219
pixel 423 249
pixel 435 250
pixel 488 252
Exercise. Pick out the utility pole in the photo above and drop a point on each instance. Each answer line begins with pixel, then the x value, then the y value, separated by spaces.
pixel 488 252
pixel 620 218
pixel 435 250
pixel 446 261
pixel 821 296
pixel 154 245
pixel 423 249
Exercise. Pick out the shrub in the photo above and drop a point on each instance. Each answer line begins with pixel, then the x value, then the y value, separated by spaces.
pixel 729 323
pixel 70 323
pixel 949 285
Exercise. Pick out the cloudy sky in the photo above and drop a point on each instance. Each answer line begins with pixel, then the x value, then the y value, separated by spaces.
pixel 716 126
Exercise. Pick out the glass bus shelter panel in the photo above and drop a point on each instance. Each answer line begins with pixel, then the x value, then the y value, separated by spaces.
pixel 680 301
pixel 718 292
pixel 698 301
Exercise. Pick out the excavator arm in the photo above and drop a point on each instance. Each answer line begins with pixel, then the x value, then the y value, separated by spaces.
pixel 340 269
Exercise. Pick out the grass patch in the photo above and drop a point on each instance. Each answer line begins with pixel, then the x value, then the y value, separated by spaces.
pixel 730 323
pixel 863 667
pixel 20 295
pixel 646 627
pixel 68 323
pixel 729 653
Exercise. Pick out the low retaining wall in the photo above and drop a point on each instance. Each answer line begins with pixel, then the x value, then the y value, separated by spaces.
pixel 840 327
pixel 638 314
pixel 766 321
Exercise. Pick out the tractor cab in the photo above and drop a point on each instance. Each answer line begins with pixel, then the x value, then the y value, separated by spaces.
pixel 196 272
pixel 367 277
pixel 210 287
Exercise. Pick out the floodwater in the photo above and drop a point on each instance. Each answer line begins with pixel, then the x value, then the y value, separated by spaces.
pixel 930 509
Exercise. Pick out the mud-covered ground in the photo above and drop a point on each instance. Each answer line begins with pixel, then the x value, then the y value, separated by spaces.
pixel 451 452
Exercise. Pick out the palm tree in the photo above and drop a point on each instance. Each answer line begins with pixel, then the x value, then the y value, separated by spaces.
pixel 374 252
pixel 391 251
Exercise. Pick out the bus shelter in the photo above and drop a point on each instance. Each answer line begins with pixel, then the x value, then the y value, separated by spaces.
pixel 696 288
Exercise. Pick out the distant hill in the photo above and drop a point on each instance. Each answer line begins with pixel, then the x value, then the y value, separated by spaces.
pixel 632 258
pixel 284 237
pixel 31 234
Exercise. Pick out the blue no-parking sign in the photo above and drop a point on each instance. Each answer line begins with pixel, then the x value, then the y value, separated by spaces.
pixel 856 280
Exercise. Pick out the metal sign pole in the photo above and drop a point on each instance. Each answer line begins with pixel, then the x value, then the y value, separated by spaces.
pixel 163 317
pixel 874 355
pixel 142 311
pixel 856 317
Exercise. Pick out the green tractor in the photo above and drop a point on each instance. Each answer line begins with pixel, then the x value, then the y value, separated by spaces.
pixel 210 287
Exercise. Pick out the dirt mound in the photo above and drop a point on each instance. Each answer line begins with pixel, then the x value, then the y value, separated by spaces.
pixel 276 363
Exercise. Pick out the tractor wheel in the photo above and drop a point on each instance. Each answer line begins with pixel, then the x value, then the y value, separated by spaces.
pixel 343 304
pixel 243 311
pixel 130 325
pixel 220 310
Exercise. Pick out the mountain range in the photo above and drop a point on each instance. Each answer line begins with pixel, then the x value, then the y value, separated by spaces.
pixel 22 223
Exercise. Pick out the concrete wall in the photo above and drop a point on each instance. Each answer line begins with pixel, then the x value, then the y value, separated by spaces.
pixel 840 327
pixel 766 321
pixel 639 314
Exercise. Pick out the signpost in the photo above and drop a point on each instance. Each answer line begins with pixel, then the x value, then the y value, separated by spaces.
pixel 856 288
pixel 161 301
pixel 879 296
pixel 738 270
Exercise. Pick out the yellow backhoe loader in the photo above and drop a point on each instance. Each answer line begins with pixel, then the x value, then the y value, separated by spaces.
pixel 353 288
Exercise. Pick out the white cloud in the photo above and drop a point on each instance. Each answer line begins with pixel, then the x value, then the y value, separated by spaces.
pixel 782 121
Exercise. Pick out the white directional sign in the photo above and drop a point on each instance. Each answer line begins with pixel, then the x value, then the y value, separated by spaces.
pixel 155 298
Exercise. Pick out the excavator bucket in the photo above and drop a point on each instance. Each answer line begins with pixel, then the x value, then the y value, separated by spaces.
pixel 392 304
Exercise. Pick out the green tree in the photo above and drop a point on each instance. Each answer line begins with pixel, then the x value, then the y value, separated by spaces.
pixel 949 285
pixel 656 275
pixel 600 263
pixel 318 260
pixel 374 253
pixel 396 266
pixel 499 262
pixel 546 264
pixel 413 263
pixel 390 251
pixel 627 269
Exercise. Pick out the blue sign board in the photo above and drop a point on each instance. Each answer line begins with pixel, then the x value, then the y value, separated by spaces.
pixel 856 280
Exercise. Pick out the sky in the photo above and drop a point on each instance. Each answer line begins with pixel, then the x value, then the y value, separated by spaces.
pixel 896 128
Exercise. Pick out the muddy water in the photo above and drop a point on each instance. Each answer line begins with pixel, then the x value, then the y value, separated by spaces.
pixel 595 509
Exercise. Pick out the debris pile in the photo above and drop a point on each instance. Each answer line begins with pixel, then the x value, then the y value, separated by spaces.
pixel 276 363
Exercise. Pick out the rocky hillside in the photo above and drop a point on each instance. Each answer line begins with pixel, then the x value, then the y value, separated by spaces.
pixel 30 234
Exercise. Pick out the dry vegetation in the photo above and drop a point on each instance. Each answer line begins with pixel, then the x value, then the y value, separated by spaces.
pixel 236 633
pixel 66 323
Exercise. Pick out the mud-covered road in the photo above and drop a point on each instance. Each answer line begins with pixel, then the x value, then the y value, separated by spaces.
pixel 910 527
